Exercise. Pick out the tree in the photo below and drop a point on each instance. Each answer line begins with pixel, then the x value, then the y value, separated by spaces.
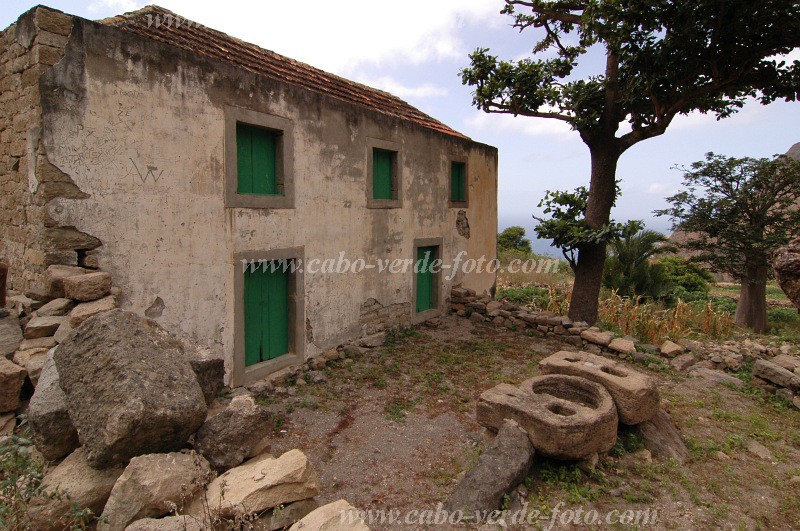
pixel 629 269
pixel 567 225
pixel 662 58
pixel 738 211
pixel 513 239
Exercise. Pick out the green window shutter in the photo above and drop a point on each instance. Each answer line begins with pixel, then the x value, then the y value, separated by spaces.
pixel 266 313
pixel 382 174
pixel 257 159
pixel 458 181
pixel 425 278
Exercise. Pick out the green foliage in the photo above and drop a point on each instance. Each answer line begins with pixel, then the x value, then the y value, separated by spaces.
pixel 664 59
pixel 513 239
pixel 21 482
pixel 689 276
pixel 527 295
pixel 567 225
pixel 738 210
pixel 629 270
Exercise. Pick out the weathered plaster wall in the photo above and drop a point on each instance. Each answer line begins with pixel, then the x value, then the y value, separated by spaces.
pixel 27 48
pixel 145 141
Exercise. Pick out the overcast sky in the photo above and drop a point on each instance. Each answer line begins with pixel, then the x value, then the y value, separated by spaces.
pixel 415 49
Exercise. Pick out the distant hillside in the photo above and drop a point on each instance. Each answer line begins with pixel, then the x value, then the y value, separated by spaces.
pixel 794 151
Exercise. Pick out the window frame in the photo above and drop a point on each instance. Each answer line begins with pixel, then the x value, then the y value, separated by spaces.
pixel 397 174
pixel 245 374
pixel 284 164
pixel 451 202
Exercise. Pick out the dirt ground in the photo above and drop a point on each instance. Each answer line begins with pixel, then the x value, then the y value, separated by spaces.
pixel 394 430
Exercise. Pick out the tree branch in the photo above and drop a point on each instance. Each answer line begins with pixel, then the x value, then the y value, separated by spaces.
pixel 505 109
pixel 567 18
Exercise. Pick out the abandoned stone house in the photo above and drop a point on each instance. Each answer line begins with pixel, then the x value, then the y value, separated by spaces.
pixel 166 153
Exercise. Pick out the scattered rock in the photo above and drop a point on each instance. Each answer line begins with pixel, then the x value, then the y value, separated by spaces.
pixel 715 376
pixel 43 326
pixel 662 438
pixel 776 374
pixel 597 337
pixel 228 437
pixel 787 270
pixel 40 342
pixel 476 318
pixel 170 523
pixel 682 362
pixel 33 361
pixel 260 484
pixel 589 464
pixel 316 377
pixel 56 307
pixel 85 486
pixel 635 394
pixel 149 484
pixel 790 363
pixel 373 341
pixel 53 432
pixel 500 468
pixel 329 518
pixel 566 417
pixel 10 336
pixel 54 278
pixel 62 332
pixel 8 421
pixel 87 287
pixel 12 377
pixel 796 401
pixel 85 310
pixel 622 345
pixel 286 516
pixel 130 390
pixel 670 350
pixel 757 449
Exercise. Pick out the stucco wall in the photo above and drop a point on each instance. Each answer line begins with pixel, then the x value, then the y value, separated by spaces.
pixel 143 135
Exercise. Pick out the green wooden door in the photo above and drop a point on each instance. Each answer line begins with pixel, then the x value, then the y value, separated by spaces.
pixel 425 278
pixel 266 314
pixel 256 160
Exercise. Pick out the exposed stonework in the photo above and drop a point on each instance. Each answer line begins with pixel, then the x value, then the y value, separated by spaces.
pixel 375 317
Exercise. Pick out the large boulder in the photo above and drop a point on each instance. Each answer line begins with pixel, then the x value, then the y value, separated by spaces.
pixel 772 372
pixel 662 438
pixel 634 393
pixel 283 517
pixel 500 468
pixel 149 485
pixel 787 270
pixel 32 360
pixel 336 516
pixel 53 432
pixel 10 336
pixel 12 377
pixel 566 417
pixel 261 483
pixel 170 523
pixel 228 438
pixel 130 390
pixel 72 481
pixel 87 309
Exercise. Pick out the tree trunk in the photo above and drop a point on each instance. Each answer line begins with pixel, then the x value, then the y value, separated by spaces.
pixel 592 258
pixel 751 312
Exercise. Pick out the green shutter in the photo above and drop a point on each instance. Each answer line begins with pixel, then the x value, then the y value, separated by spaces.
pixel 256 150
pixel 458 181
pixel 382 174
pixel 425 278
pixel 266 313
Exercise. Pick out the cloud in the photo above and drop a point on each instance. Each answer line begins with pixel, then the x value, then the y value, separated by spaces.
pixel 116 6
pixel 389 84
pixel 343 36
pixel 660 188
pixel 544 127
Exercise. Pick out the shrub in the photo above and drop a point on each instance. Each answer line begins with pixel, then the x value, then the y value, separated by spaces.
pixel 688 276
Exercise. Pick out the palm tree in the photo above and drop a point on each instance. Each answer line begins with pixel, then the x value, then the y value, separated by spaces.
pixel 629 270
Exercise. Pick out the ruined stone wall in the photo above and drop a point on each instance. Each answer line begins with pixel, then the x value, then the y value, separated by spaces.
pixel 139 128
pixel 27 49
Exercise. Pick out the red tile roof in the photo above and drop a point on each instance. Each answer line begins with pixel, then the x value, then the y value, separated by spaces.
pixel 211 43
